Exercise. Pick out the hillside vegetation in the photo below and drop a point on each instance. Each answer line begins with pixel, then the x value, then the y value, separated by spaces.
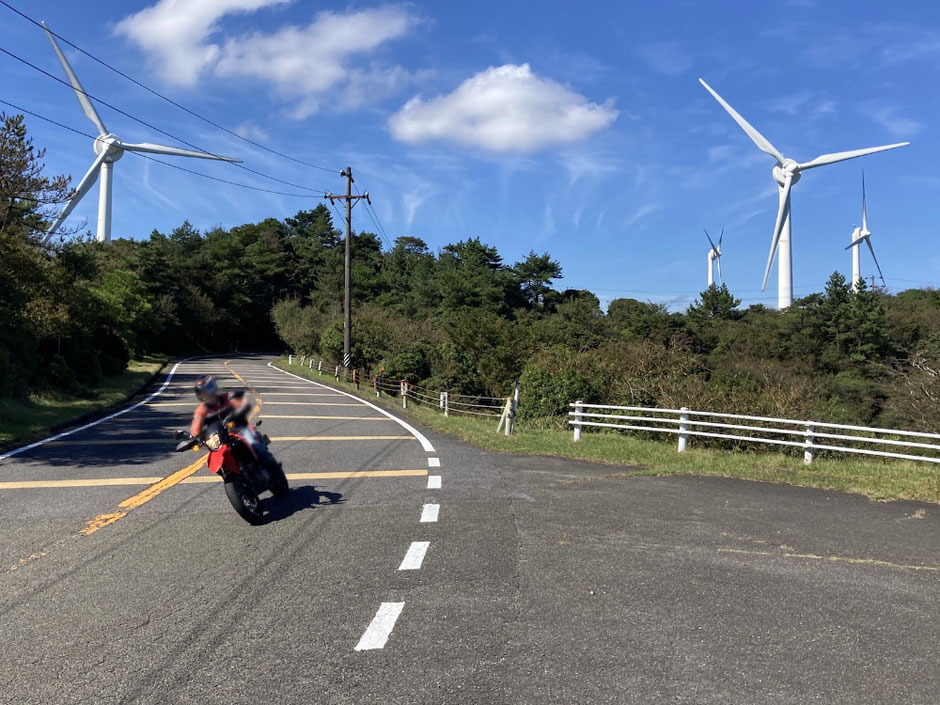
pixel 459 318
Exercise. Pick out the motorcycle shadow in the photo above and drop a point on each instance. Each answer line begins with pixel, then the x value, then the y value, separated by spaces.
pixel 297 500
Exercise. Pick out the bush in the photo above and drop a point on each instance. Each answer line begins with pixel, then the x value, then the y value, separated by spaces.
pixel 547 394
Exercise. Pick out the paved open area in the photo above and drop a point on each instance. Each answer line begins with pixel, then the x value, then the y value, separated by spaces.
pixel 407 567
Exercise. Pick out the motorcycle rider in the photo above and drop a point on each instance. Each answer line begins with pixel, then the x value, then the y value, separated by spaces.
pixel 213 402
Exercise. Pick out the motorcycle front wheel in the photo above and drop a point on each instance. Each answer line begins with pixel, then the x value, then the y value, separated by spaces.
pixel 279 486
pixel 245 501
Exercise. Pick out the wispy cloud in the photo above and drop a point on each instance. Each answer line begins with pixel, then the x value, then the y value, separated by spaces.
pixel 889 117
pixel 641 213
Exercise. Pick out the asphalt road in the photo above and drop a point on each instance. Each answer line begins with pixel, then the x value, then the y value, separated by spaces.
pixel 540 581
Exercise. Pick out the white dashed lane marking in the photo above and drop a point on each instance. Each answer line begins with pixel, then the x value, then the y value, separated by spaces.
pixel 380 628
pixel 415 556
pixel 434 462
pixel 434 482
pixel 430 512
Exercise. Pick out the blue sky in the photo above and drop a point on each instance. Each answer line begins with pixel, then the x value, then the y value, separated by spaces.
pixel 581 132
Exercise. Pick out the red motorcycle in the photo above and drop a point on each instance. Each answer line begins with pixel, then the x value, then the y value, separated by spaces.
pixel 229 438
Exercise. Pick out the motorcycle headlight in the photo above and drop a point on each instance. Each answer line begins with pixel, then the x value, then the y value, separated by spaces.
pixel 213 442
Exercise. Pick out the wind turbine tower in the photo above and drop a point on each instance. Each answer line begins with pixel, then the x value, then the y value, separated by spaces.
pixel 787 172
pixel 859 235
pixel 714 258
pixel 108 149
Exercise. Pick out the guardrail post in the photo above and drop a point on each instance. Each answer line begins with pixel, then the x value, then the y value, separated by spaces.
pixel 809 451
pixel 404 394
pixel 683 428
pixel 509 416
pixel 578 410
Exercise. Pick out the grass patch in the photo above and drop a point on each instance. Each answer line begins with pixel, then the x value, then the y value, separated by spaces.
pixel 880 479
pixel 25 420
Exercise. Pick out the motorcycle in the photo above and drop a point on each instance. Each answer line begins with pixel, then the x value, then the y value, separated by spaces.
pixel 228 437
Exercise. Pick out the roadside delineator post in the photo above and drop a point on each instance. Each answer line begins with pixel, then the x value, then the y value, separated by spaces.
pixel 404 393
pixel 444 403
pixel 809 451
pixel 290 359
pixel 302 358
pixel 320 367
pixel 578 411
pixel 683 428
pixel 336 373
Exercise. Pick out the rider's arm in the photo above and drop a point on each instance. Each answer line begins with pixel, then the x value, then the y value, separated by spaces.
pixel 199 417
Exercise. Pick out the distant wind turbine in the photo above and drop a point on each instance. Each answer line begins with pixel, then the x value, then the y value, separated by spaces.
pixel 714 258
pixel 786 173
pixel 108 149
pixel 858 235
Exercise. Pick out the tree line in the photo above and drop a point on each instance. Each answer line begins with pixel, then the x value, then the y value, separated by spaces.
pixel 459 318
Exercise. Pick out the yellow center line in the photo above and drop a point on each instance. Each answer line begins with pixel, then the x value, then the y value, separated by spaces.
pixel 156 488
pixel 344 438
pixel 339 418
pixel 839 559
pixel 186 476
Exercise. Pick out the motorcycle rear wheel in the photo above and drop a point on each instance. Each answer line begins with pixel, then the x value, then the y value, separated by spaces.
pixel 244 501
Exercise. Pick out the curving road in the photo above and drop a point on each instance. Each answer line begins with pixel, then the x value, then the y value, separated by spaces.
pixel 407 567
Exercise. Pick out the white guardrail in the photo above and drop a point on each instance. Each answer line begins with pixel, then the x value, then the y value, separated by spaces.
pixel 686 423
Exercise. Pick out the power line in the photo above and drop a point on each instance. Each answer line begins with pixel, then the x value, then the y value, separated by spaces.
pixel 158 161
pixel 380 231
pixel 150 126
pixel 161 96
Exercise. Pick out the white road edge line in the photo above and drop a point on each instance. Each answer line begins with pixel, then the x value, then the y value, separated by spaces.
pixel 429 513
pixel 434 462
pixel 380 628
pixel 415 555
pixel 434 482
pixel 23 449
pixel 425 443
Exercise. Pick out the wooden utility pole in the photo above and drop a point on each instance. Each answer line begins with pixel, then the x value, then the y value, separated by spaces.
pixel 347 294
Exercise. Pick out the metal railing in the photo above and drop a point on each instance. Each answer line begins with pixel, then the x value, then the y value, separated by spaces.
pixel 742 428
pixel 503 408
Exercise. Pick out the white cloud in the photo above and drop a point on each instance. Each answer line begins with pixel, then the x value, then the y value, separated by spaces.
pixel 303 63
pixel 503 109
pixel 665 57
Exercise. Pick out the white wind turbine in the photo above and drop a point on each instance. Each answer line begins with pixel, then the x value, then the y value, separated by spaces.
pixel 786 173
pixel 109 149
pixel 714 258
pixel 858 235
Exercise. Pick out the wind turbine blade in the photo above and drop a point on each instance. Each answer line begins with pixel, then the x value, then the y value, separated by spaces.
pixel 88 180
pixel 868 240
pixel 173 151
pixel 756 137
pixel 720 238
pixel 864 205
pixel 710 240
pixel 720 278
pixel 824 159
pixel 782 212
pixel 83 99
